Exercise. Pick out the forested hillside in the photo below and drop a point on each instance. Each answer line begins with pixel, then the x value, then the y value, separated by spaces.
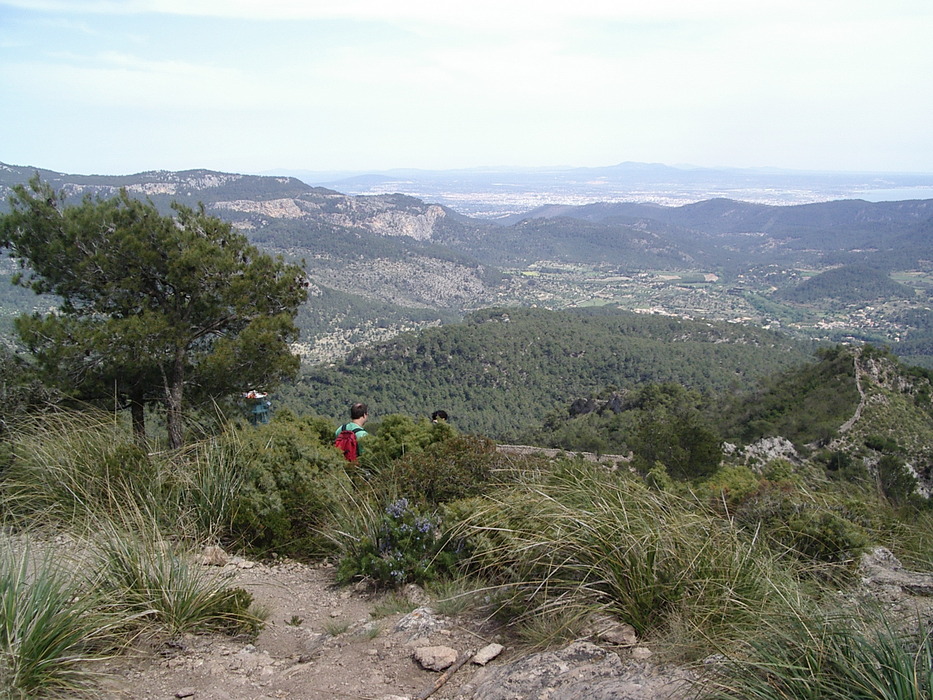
pixel 850 284
pixel 504 369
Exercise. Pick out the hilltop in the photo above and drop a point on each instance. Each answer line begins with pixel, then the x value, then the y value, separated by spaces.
pixel 757 493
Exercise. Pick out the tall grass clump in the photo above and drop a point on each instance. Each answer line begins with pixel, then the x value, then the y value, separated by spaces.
pixel 828 656
pixel 205 486
pixel 50 628
pixel 581 537
pixel 70 467
pixel 81 470
pixel 159 582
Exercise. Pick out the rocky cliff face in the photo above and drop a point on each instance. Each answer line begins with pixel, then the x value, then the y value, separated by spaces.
pixel 383 247
pixel 251 197
pixel 380 216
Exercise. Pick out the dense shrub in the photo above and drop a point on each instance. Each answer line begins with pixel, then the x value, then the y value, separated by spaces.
pixel 396 436
pixel 458 467
pixel 825 536
pixel 669 427
pixel 841 466
pixel 897 482
pixel 732 485
pixel 785 515
pixel 283 498
pixel 882 443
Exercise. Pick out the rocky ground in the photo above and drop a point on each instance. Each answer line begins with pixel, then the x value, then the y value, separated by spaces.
pixel 321 642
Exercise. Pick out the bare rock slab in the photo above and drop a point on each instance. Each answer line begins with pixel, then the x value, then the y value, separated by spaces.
pixel 580 671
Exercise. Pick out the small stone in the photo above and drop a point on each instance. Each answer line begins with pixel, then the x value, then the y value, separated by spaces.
pixel 610 630
pixel 185 693
pixel 487 654
pixel 621 634
pixel 420 622
pixel 435 658
pixel 214 556
pixel 641 653
pixel 415 594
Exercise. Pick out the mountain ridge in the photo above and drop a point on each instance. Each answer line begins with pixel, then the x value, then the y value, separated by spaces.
pixel 419 255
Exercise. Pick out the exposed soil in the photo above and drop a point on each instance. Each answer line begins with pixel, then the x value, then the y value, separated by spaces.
pixel 326 641
pixel 319 641
pixel 322 641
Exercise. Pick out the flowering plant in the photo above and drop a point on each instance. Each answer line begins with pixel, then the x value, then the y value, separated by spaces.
pixel 405 546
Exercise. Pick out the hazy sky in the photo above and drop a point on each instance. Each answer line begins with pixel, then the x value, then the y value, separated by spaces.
pixel 122 86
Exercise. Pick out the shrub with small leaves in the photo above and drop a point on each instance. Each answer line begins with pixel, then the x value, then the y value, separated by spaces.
pixel 396 436
pixel 896 480
pixel 824 536
pixel 732 485
pixel 458 467
pixel 283 498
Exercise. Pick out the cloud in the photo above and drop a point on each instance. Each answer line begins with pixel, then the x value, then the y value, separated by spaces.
pixel 486 13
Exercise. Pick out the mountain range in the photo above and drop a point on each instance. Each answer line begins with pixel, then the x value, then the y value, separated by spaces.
pixel 380 264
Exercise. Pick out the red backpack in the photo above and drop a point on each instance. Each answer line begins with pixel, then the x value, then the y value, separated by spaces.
pixel 346 442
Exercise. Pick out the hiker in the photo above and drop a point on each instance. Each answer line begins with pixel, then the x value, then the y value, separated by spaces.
pixel 348 435
pixel 439 416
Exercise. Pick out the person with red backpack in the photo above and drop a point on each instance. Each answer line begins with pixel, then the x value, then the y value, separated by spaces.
pixel 349 434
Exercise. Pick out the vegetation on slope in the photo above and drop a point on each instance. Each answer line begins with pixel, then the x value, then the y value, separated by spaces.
pixel 850 284
pixel 695 548
pixel 695 560
pixel 502 370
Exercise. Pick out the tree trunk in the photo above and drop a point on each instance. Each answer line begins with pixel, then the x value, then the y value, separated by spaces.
pixel 138 413
pixel 174 392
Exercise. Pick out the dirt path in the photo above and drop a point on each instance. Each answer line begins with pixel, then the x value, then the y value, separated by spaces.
pixel 845 427
pixel 319 642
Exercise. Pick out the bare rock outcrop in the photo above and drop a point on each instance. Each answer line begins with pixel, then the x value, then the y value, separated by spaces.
pixel 580 671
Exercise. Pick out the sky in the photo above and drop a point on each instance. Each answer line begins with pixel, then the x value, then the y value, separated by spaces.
pixel 253 86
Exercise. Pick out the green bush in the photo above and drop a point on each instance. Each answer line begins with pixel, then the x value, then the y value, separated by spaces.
pixel 731 486
pixel 658 479
pixel 824 536
pixel 404 546
pixel 283 501
pixel 802 657
pixel 396 436
pixel 456 468
pixel 896 481
pixel 841 466
pixel 881 443
pixel 780 470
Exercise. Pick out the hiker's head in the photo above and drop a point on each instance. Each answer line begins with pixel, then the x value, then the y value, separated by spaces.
pixel 358 410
